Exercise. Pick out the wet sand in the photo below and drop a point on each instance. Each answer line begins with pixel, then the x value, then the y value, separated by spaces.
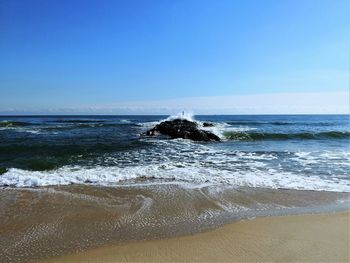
pixel 317 237
pixel 44 223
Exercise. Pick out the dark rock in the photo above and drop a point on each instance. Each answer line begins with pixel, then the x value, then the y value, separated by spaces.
pixel 208 124
pixel 182 128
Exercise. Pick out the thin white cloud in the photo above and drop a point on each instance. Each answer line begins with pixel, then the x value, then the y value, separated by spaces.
pixel 275 103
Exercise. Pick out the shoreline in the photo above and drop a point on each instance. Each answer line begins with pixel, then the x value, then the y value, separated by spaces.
pixel 307 237
pixel 59 221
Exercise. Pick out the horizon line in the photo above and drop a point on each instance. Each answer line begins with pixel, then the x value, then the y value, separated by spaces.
pixel 252 114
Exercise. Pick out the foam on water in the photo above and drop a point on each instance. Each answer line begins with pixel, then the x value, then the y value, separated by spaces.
pixel 179 172
pixel 181 115
pixel 220 129
pixel 22 129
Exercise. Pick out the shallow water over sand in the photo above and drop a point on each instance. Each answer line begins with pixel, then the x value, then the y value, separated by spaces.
pixel 45 222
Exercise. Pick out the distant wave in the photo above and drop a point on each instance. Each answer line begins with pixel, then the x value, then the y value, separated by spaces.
pixel 281 123
pixel 14 124
pixel 77 126
pixel 39 128
pixel 69 149
pixel 87 125
pixel 78 121
pixel 257 136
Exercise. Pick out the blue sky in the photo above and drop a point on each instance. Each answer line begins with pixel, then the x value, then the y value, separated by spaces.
pixel 62 56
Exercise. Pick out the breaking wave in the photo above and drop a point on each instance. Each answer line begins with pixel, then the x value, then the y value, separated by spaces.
pixel 107 176
pixel 258 136
pixel 14 124
pixel 279 123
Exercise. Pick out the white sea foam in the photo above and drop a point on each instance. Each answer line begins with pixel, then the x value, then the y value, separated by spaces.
pixel 174 171
pixel 125 121
pixel 221 128
pixel 22 129
pixel 182 115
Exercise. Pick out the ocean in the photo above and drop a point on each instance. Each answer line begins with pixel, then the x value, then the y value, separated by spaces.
pixel 68 183
pixel 308 152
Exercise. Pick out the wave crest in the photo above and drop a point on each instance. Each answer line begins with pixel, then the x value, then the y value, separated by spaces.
pixel 258 136
pixel 108 176
pixel 14 124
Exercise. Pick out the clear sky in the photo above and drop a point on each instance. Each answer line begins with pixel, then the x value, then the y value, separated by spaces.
pixel 62 56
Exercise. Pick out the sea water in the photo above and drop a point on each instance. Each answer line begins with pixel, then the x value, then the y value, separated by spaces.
pixel 309 152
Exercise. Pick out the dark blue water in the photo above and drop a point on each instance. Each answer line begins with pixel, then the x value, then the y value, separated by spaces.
pixel 273 151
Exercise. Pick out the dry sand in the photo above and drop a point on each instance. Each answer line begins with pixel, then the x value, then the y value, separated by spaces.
pixel 290 238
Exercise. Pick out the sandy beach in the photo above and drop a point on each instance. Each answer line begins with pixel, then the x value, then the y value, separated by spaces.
pixel 314 237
